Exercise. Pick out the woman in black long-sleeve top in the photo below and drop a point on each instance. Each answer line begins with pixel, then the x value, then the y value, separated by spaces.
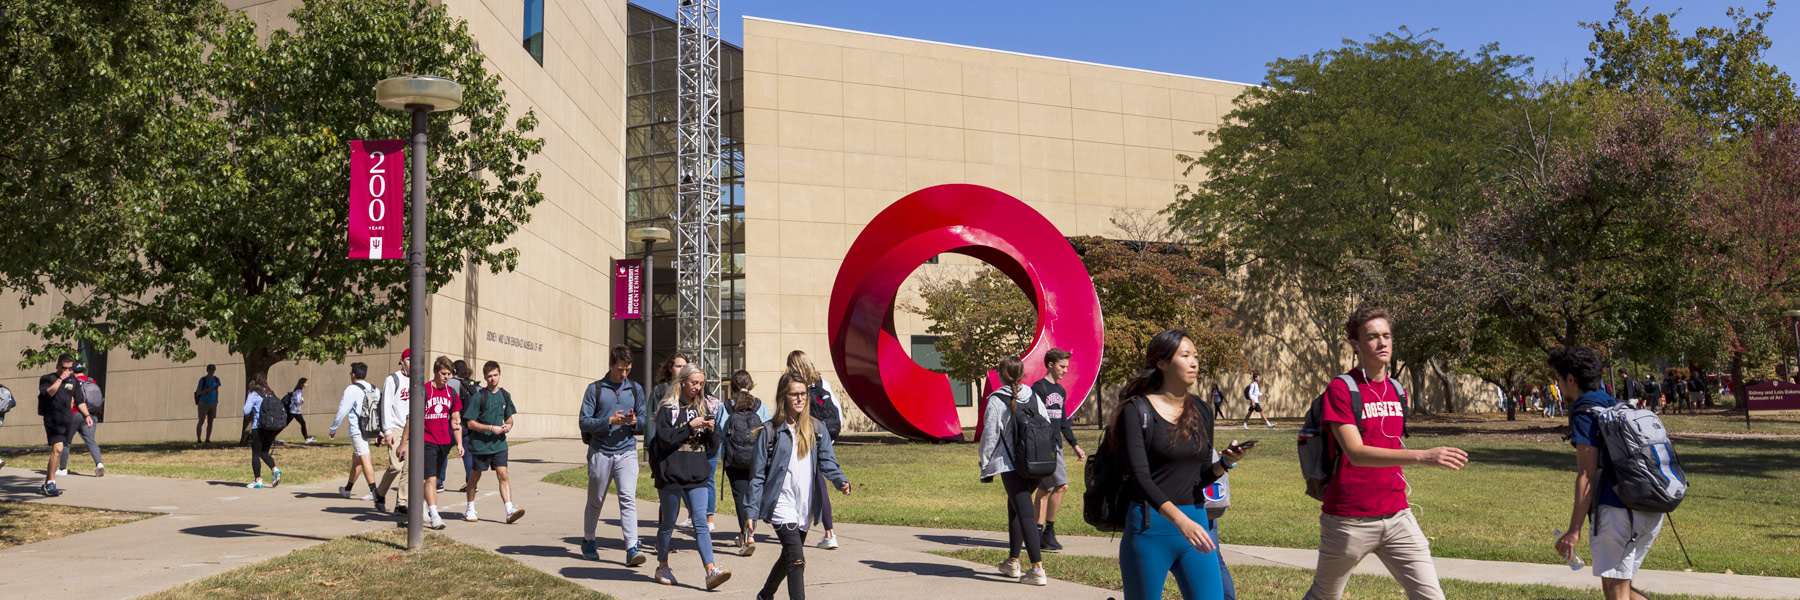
pixel 1167 437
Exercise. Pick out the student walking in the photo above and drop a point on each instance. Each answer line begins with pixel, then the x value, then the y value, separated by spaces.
pixel 785 483
pixel 295 401
pixel 1218 401
pixel 263 408
pixel 1255 393
pixel 488 417
pixel 1621 536
pixel 611 410
pixel 742 423
pixel 685 435
pixel 462 379
pixel 665 377
pixel 1166 436
pixel 1365 501
pixel 396 408
pixel 88 390
pixel 206 401
pixel 1051 490
pixel 57 401
pixel 1000 440
pixel 442 431
pixel 827 410
pixel 353 408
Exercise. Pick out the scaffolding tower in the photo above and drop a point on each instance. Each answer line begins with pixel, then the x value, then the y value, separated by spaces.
pixel 697 227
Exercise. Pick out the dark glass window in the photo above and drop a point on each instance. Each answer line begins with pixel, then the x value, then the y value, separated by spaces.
pixel 925 352
pixel 534 29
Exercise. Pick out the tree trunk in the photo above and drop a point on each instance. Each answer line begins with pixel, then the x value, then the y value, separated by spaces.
pixel 1512 411
pixel 257 360
pixel 1449 386
pixel 1737 387
pixel 1418 387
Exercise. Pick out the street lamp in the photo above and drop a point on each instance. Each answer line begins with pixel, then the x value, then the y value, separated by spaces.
pixel 419 95
pixel 649 236
pixel 1794 319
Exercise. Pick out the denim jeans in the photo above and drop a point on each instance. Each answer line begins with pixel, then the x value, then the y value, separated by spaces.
pixel 671 499
pixel 1212 528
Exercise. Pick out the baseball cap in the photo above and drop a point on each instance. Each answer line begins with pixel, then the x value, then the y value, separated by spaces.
pixel 406 354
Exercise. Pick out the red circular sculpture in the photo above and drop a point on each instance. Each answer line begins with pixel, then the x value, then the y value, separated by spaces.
pixel 895 392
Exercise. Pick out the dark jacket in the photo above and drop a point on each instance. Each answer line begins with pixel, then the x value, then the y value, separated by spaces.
pixel 768 470
pixel 681 450
pixel 598 404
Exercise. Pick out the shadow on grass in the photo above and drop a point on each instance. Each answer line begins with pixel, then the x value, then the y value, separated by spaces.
pixel 239 530
pixel 1765 459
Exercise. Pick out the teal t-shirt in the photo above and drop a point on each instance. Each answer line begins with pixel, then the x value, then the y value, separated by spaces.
pixel 487 408
pixel 211 384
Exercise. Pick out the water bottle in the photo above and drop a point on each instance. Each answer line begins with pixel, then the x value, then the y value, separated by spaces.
pixel 1575 563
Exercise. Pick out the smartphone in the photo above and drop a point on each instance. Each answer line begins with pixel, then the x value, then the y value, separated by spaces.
pixel 1245 445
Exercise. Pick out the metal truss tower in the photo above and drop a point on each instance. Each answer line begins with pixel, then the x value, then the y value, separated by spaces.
pixel 697 227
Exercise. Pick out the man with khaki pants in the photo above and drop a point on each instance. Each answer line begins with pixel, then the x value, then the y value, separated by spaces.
pixel 396 394
pixel 1365 501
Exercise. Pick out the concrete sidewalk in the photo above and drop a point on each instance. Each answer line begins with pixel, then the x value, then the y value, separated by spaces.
pixel 211 527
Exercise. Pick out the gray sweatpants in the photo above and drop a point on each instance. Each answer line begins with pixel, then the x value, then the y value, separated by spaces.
pixel 87 435
pixel 603 471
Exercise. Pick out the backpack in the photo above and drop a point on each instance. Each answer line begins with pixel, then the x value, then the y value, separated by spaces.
pixel 587 437
pixel 825 410
pixel 1319 453
pixel 368 412
pixel 740 437
pixel 1635 448
pixel 1247 393
pixel 7 403
pixel 1108 474
pixel 1033 443
pixel 90 394
pixel 272 417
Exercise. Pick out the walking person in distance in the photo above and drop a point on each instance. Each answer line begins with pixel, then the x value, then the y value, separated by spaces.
pixel 742 423
pixel 295 401
pixel 206 401
pixel 58 400
pixel 353 408
pixel 90 394
pixel 826 408
pixel 786 482
pixel 396 408
pixel 1051 490
pixel 612 410
pixel 263 409
pixel 488 417
pixel 1254 392
pixel 1167 438
pixel 1014 421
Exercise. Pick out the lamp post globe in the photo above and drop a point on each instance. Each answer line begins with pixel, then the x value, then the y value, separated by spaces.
pixel 419 95
pixel 435 94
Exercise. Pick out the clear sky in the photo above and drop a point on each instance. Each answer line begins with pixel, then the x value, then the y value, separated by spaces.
pixel 1235 39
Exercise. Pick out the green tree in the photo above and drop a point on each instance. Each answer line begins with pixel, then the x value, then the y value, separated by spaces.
pixel 979 320
pixel 1718 73
pixel 241 239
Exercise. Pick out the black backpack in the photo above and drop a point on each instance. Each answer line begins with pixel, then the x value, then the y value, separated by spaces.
pixel 273 414
pixel 1108 473
pixel 1033 443
pixel 825 410
pixel 740 436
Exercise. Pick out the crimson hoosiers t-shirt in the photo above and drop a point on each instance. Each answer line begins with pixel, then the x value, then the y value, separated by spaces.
pixel 1366 491
pixel 441 405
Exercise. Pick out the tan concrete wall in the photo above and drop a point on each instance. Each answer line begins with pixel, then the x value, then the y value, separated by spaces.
pixel 840 124
pixel 559 296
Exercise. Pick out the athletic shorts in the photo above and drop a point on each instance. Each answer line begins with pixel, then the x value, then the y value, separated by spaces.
pixel 58 430
pixel 488 462
pixel 1621 539
pixel 1254 408
pixel 358 445
pixel 1058 478
pixel 207 411
pixel 435 455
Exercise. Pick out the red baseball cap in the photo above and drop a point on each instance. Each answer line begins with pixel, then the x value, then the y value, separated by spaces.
pixel 406 354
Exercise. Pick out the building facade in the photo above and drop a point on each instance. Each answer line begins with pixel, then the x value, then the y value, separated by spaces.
pixel 824 129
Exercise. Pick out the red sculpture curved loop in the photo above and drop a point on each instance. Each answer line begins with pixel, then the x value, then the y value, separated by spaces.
pixel 895 392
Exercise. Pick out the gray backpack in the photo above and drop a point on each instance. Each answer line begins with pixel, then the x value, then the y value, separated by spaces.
pixel 1319 452
pixel 1218 495
pixel 90 394
pixel 1635 449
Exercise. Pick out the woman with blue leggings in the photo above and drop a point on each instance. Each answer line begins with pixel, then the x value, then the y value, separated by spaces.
pixel 1167 438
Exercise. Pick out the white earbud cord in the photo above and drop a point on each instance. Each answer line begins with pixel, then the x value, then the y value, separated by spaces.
pixel 1384 432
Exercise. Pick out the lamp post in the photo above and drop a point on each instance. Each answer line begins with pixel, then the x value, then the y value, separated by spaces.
pixel 1794 323
pixel 649 236
pixel 419 95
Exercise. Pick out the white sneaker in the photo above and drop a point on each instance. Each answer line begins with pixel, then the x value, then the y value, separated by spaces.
pixel 1271 426
pixel 711 526
pixel 1009 568
pixel 344 491
pixel 470 516
pixel 665 576
pixel 829 543
pixel 62 472
pixel 255 485
pixel 311 441
pixel 437 522
pixel 1246 426
pixel 685 524
pixel 1035 576
pixel 513 514
pixel 99 470
pixel 368 496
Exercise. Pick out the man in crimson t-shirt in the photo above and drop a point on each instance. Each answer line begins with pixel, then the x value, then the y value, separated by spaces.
pixel 1365 502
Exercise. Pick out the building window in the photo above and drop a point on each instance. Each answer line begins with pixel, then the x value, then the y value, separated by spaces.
pixel 925 352
pixel 534 29
pixel 933 260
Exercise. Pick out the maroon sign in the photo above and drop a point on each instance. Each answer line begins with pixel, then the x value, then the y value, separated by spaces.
pixel 1774 395
pixel 628 288
pixel 377 215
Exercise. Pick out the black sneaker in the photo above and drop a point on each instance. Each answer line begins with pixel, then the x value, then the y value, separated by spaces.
pixel 399 509
pixel 49 489
pixel 380 504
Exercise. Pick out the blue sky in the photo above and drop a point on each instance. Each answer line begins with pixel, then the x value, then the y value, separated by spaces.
pixel 1234 40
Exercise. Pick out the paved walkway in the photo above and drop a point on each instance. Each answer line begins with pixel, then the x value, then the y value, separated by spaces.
pixel 212 527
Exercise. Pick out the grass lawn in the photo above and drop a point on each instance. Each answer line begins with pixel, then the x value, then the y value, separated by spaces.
pixel 1281 582
pixel 29 522
pixel 1740 513
pixel 300 464
pixel 376 565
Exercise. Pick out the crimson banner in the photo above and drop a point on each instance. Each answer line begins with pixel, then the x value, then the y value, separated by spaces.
pixel 377 215
pixel 628 288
